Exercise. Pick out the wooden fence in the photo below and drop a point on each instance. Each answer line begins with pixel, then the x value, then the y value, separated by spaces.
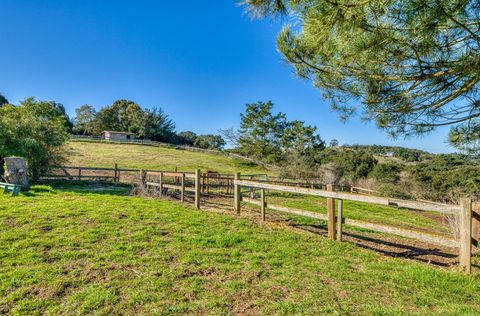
pixel 159 182
pixel 469 214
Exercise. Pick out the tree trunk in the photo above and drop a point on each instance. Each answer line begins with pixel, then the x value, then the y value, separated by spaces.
pixel 16 172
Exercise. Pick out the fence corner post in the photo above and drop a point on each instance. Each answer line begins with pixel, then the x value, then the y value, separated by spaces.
pixel 237 194
pixel 331 214
pixel 465 257
pixel 197 188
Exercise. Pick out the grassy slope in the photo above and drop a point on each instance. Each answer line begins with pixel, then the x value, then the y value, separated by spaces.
pixel 148 157
pixel 91 154
pixel 68 252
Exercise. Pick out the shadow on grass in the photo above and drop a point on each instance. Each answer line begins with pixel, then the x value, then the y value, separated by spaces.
pixel 83 187
pixel 391 246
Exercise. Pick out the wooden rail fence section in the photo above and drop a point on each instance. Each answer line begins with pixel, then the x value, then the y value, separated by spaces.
pixel 199 183
pixel 469 215
pixel 158 181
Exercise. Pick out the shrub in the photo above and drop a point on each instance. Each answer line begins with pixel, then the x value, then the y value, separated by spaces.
pixel 34 130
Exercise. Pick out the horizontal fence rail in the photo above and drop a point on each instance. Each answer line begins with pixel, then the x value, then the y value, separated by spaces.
pixel 422 206
pixel 464 211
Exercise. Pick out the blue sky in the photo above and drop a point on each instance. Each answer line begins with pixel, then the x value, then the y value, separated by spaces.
pixel 201 61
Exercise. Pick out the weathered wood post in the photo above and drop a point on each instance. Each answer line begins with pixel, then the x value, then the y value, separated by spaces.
pixel 182 197
pixel 236 194
pixel 197 188
pixel 116 177
pixel 16 172
pixel 160 184
pixel 79 173
pixel 466 235
pixel 339 220
pixel 331 214
pixel 264 203
pixel 143 178
pixel 476 225
pixel 252 190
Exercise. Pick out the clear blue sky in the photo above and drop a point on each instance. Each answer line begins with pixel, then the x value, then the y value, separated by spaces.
pixel 201 61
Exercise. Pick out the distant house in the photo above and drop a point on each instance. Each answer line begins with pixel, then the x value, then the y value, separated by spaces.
pixel 118 136
pixel 389 154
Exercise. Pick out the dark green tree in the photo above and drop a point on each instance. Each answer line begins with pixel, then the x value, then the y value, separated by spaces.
pixel 410 66
pixel 3 100
pixel 35 130
pixel 157 126
pixel 209 141
pixel 186 138
pixel 122 115
pixel 261 131
pixel 301 140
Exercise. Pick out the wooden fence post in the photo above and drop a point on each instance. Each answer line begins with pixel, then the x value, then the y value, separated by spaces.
pixel 197 188
pixel 264 203
pixel 183 188
pixel 237 195
pixel 339 220
pixel 476 225
pixel 116 177
pixel 331 214
pixel 143 178
pixel 160 184
pixel 79 174
pixel 466 235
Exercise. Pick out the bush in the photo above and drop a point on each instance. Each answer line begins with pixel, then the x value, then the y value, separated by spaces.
pixel 386 173
pixel 35 130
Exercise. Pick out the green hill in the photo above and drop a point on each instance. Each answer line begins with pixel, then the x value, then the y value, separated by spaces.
pixel 101 154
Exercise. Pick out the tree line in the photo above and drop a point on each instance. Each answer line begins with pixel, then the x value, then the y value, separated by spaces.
pixel 152 124
pixel 37 130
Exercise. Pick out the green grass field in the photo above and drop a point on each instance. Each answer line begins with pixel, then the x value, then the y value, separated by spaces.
pixel 429 222
pixel 75 252
pixel 98 154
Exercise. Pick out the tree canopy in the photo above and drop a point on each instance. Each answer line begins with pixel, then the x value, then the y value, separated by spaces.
pixel 409 65
pixel 34 130
pixel 270 137
pixel 3 100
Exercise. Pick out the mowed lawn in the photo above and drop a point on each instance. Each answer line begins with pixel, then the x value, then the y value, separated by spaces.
pixel 97 154
pixel 68 252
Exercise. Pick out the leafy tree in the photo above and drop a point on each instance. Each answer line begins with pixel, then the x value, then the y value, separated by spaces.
pixel 209 142
pixel 412 65
pixel 35 130
pixel 3 100
pixel 128 116
pixel 186 138
pixel 334 143
pixel 85 120
pixel 122 115
pixel 260 132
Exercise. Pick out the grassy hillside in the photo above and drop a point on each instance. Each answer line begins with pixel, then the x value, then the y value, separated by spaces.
pixel 96 154
pixel 69 252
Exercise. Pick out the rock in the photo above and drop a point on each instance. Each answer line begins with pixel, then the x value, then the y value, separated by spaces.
pixel 16 172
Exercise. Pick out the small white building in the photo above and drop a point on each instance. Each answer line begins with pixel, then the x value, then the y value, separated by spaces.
pixel 118 136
